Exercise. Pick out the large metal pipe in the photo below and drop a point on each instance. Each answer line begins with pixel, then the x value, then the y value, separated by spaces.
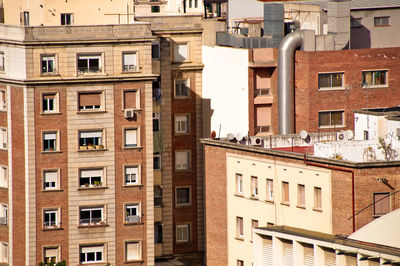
pixel 287 48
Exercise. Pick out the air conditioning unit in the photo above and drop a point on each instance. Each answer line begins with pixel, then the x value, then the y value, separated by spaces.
pixel 3 220
pixel 256 141
pixel 129 113
pixel 341 136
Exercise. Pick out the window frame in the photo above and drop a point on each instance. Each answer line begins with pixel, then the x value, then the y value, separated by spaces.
pixel 269 189
pixel 157 155
pixel 181 168
pixel 239 227
pixel 3 138
pixel 301 195
pixel 139 243
pixel 254 224
pixel 330 119
pixel 126 68
pixel 364 85
pixel 3 214
pixel 285 194
pixel 317 199
pixel 138 175
pixel 92 183
pixel 57 248
pixel 4 175
pixel 89 110
pixel 342 87
pixel 57 183
pixel 90 56
pixel 2 62
pixel 131 146
pixel 65 20
pixel 387 194
pixel 184 60
pixel 188 227
pixel 132 205
pixel 99 145
pixel 380 21
pixel 154 9
pixel 103 253
pixel 187 124
pixel 183 204
pixel 56 141
pixel 239 184
pixel 57 223
pixel 3 100
pixel 56 101
pixel 91 221
pixel 157 121
pixel 180 96
pixel 155 46
pixel 47 73
pixel 254 186
pixel 137 103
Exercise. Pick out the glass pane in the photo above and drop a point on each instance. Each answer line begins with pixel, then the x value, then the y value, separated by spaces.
pixel 337 79
pixel 324 119
pixel 324 80
pixel 336 118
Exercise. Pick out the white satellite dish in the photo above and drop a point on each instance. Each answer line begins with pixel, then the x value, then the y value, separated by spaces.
pixel 239 136
pixel 303 134
pixel 230 136
pixel 349 134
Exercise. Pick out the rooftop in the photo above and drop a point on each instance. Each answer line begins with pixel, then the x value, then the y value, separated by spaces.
pixel 355 4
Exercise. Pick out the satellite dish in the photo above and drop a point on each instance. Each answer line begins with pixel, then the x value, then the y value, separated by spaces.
pixel 303 134
pixel 349 134
pixel 230 136
pixel 239 136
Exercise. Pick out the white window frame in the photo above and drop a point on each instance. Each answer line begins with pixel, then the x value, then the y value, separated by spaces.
pixel 64 21
pixel 270 189
pixel 57 253
pixel 183 204
pixel 239 184
pixel 316 200
pixel 44 64
pixel 3 176
pixel 180 56
pixel 330 119
pixel 365 85
pixel 129 171
pixel 182 124
pixel 53 224
pixel 92 174
pixel 91 219
pixel 57 179
pixel 254 186
pixel 182 165
pixel 130 257
pixel 181 84
pixel 47 104
pixel 128 217
pixel 4 252
pixel 132 143
pixel 185 233
pixel 301 201
pixel 92 249
pixel 94 134
pixel 3 138
pixel 89 57
pixel 239 227
pixel 47 135
pixel 130 67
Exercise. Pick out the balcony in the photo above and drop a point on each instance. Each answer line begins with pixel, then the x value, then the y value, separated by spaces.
pixel 130 219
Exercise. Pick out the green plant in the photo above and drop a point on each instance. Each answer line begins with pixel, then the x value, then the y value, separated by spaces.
pixel 337 156
pixel 388 151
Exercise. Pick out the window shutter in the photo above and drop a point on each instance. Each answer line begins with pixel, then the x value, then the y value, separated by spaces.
pixel 132 250
pixel 89 99
pixel 330 257
pixel 131 170
pixel 267 251
pixel 50 136
pixel 131 137
pixel 50 176
pixel 130 99
pixel 130 59
pixel 51 252
pixel 287 253
pixel 182 160
pixel 92 134
pixel 308 255
pixel 91 173
pixel 92 249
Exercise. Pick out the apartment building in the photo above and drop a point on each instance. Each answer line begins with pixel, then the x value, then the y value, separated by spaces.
pixel 248 187
pixel 100 160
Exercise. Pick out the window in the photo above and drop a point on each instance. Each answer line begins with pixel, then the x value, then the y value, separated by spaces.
pixel 301 196
pixel 155 51
pixel 129 61
pixel 239 184
pixel 190 3
pixel 270 189
pixel 182 159
pixel 317 198
pixel 285 192
pixel 158 196
pixel 50 219
pixel 381 21
pixel 92 254
pixel 239 263
pixel 156 122
pixel 91 139
pixel 91 215
pixel 131 137
pixel 181 124
pixel 2 61
pixel 132 176
pixel 91 178
pixel 196 4
pixel 89 63
pixel 381 203
pixel 3 214
pixel 133 251
pixel 50 141
pixel 90 101
pixel 331 118
pixel 66 19
pixel 183 233
pixel 50 180
pixel 50 254
pixel 50 103
pixel 132 99
pixel 3 101
pixel 330 80
pixel 254 186
pixel 180 52
pixel 155 9
pixel 48 64
pixel 254 224
pixel 132 213
pixel 3 177
pixel 374 78
pixel 4 253
pixel 182 196
pixel 25 18
pixel 366 135
pixel 158 232
pixel 157 161
pixel 239 227
pixel 181 88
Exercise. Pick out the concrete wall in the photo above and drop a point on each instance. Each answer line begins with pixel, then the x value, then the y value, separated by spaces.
pixel 225 83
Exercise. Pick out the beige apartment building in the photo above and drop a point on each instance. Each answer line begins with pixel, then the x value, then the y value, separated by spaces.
pixel 100 161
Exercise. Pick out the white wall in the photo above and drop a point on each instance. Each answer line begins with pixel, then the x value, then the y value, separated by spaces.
pixel 363 122
pixel 245 9
pixel 225 82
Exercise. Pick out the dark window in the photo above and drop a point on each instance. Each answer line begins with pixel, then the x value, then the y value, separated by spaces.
pixel 333 118
pixel 157 162
pixel 89 63
pixel 158 236
pixel 381 203
pixel 182 196
pixel 66 19
pixel 381 21
pixel 330 80
pixel 157 196
pixel 155 51
pixel 374 78
pixel 155 9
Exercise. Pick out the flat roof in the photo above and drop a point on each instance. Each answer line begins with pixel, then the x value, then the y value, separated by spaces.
pixel 354 4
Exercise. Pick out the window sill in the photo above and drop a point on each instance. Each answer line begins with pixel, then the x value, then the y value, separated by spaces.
pixel 130 224
pixel 91 111
pixel 92 225
pixel 239 238
pixel 377 215
pixel 317 209
pixel 133 261
pixel 52 190
pixel 3 110
pixel 253 197
pixel 183 242
pixel 90 150
pixel 182 170
pixel 133 185
pixel 52 228
pixel 375 87
pixel 130 72
pixel 98 73
pixel 94 188
pixel 183 206
pixel 285 203
pixel 48 152
pixel 50 113
pixel 301 207
pixel 181 97
pixel 177 134
pixel 239 195
pixel 330 127
pixel 332 89
pixel 132 148
pixel 270 201
pixel 51 74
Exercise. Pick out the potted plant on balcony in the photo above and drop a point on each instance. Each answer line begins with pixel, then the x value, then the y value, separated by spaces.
pixel 83 147
pixel 98 183
pixel 90 146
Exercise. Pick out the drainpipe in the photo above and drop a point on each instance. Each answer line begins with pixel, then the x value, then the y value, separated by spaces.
pixel 286 51
pixel 352 183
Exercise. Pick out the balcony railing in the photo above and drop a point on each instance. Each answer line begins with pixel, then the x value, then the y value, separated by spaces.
pixel 51 224
pixel 89 69
pixel 92 221
pixel 132 219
